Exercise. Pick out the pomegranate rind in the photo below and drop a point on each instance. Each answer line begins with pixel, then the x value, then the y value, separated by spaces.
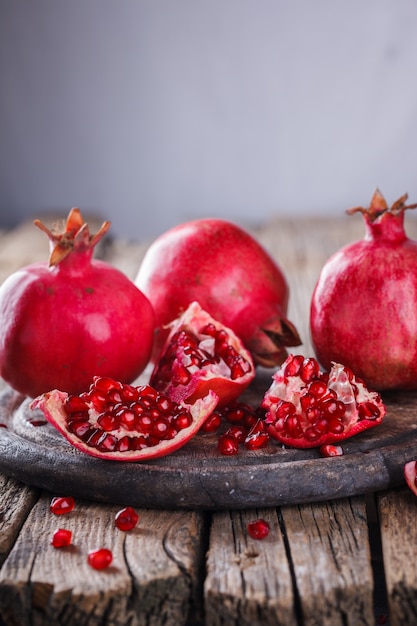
pixel 213 376
pixel 220 265
pixel 291 389
pixel 52 406
pixel 410 475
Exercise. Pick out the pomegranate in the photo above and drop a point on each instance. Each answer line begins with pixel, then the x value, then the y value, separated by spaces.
pixel 364 305
pixel 61 538
pixel 126 519
pixel 259 529
pixel 308 408
pixel 63 323
pixel 121 422
pixel 410 475
pixel 201 354
pixel 219 265
pixel 100 558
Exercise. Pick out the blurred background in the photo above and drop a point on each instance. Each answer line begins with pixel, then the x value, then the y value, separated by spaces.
pixel 152 112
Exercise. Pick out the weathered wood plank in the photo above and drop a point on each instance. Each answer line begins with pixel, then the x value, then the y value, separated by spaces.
pixel 330 555
pixel 248 581
pixel 398 523
pixel 16 501
pixel 152 580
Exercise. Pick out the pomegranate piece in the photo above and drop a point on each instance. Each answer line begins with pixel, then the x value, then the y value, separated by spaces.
pixel 307 408
pixel 228 444
pixel 100 559
pixel 126 519
pixel 121 422
pixel 410 475
pixel 258 529
pixel 364 306
pixel 221 266
pixel 201 354
pixel 61 324
pixel 329 450
pixel 61 505
pixel 61 538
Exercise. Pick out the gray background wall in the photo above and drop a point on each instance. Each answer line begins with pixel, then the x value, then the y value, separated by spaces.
pixel 156 111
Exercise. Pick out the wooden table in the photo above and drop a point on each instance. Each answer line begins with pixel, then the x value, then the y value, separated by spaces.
pixel 350 561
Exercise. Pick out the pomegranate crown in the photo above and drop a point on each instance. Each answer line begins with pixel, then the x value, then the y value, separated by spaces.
pixel 379 206
pixel 76 235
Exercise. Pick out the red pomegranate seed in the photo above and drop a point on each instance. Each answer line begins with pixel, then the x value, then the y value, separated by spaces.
pixel 368 410
pixel 228 445
pixel 100 559
pixel 61 505
pixel 237 431
pixel 258 529
pixel 329 450
pixel 212 423
pixel 126 519
pixel 61 538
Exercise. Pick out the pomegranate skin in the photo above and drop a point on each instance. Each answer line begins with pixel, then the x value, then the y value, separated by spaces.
pixel 224 269
pixel 64 323
pixel 364 306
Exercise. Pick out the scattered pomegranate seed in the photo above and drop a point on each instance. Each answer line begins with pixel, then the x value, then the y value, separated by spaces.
pixel 126 519
pixel 258 529
pixel 212 423
pixel 100 559
pixel 62 505
pixel 228 445
pixel 61 538
pixel 329 449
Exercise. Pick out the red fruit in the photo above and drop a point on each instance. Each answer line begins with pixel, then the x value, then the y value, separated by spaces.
pixel 410 475
pixel 61 538
pixel 219 265
pixel 126 519
pixel 364 305
pixel 329 450
pixel 201 354
pixel 228 444
pixel 63 323
pixel 122 422
pixel 62 505
pixel 100 559
pixel 258 529
pixel 307 408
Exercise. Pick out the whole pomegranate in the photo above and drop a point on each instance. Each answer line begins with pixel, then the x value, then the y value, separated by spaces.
pixel 364 306
pixel 224 269
pixel 63 323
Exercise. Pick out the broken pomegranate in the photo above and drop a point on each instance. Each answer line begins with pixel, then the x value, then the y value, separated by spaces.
pixel 78 317
pixel 410 475
pixel 364 305
pixel 307 408
pixel 221 266
pixel 121 422
pixel 201 354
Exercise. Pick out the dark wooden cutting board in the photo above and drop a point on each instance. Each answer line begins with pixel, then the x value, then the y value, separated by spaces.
pixel 198 476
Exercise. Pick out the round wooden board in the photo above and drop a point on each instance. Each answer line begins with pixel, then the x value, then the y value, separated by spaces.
pixel 198 476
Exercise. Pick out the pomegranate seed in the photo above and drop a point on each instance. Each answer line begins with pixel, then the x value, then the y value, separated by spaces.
pixel 75 404
pixel 228 445
pixel 258 529
pixel 100 559
pixel 107 421
pixel 309 370
pixel 368 410
pixel 237 431
pixel 329 450
pixel 183 420
pixel 256 440
pixel 61 538
pixel 212 423
pixel 62 505
pixel 294 366
pixel 126 519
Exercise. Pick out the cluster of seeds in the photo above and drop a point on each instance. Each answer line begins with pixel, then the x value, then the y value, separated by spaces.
pixel 210 347
pixel 320 410
pixel 244 426
pixel 116 417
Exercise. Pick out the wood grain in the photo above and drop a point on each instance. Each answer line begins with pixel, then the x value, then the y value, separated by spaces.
pixel 398 523
pixel 152 580
pixel 330 556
